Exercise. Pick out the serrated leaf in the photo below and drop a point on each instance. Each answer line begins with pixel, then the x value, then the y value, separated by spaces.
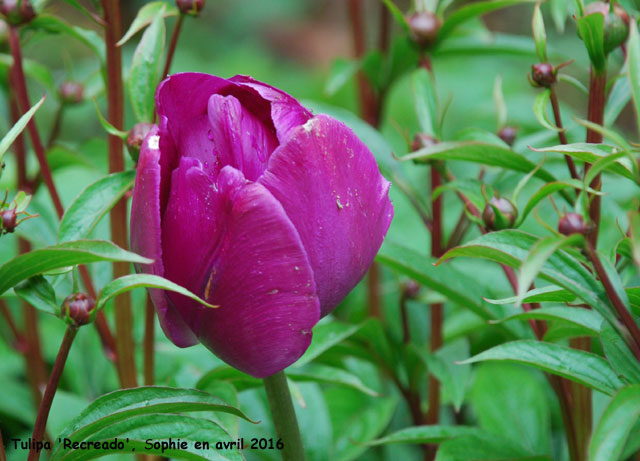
pixel 65 254
pixel 539 34
pixel 146 68
pixel 16 129
pixel 88 208
pixel 39 293
pixel 132 281
pixel 123 404
pixel 582 367
pixel 611 433
pixel 145 16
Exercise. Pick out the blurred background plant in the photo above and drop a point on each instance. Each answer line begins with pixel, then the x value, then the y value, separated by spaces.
pixel 449 85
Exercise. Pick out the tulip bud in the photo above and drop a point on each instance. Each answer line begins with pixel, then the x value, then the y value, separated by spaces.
pixel 543 74
pixel 424 28
pixel 616 23
pixel 71 92
pixel 8 220
pixel 410 289
pixel 135 138
pixel 78 309
pixel 572 223
pixel 508 134
pixel 191 7
pixel 499 214
pixel 421 141
pixel 17 12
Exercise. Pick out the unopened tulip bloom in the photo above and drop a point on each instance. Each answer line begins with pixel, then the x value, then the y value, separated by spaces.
pixel 248 200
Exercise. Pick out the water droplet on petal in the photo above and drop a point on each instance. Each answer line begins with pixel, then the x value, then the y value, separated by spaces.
pixel 210 135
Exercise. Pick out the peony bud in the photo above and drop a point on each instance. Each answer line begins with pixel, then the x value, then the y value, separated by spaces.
pixel 17 12
pixel 78 309
pixel 191 7
pixel 71 92
pixel 543 74
pixel 8 220
pixel 135 138
pixel 508 134
pixel 616 23
pixel 424 28
pixel 421 141
pixel 499 214
pixel 572 223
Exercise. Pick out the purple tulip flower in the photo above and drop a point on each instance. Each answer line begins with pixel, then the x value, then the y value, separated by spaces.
pixel 248 200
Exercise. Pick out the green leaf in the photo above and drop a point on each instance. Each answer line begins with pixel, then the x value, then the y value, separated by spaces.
pixel 539 34
pixel 129 282
pixel 602 164
pixel 39 293
pixel 489 44
pixel 135 431
pixel 65 254
pixel 577 84
pixel 633 72
pixel 88 208
pixel 397 14
pixel 55 25
pixel 613 429
pixel 498 101
pixel 618 354
pixel 559 13
pixel 325 336
pixel 425 435
pixel 16 129
pixel 540 295
pixel 473 10
pixel 425 102
pixel 32 69
pixel 591 153
pixel 591 30
pixel 486 446
pixel 146 15
pixel 342 70
pixel 582 367
pixel 540 110
pixel 634 236
pixel 618 98
pixel 443 364
pixel 478 152
pixel 442 279
pixel 330 375
pixel 108 127
pixel 146 68
pixel 587 320
pixel 123 404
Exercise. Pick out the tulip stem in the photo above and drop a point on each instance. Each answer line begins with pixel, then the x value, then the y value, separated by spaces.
pixel 50 392
pixel 284 416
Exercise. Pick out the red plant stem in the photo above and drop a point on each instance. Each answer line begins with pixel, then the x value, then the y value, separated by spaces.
pixel 172 45
pixel 406 335
pixel 55 129
pixel 597 98
pixel 3 455
pixel 50 392
pixel 118 215
pixel 18 340
pixel 149 342
pixel 618 304
pixel 561 134
pixel 20 87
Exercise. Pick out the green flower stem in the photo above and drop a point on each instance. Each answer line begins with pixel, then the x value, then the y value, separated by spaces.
pixel 50 391
pixel 284 417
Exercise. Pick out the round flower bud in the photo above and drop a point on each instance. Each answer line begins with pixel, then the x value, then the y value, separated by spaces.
pixel 135 138
pixel 543 74
pixel 71 92
pixel 192 7
pixel 572 223
pixel 424 28
pixel 78 309
pixel 508 134
pixel 499 214
pixel 8 220
pixel 17 12
pixel 410 289
pixel 616 24
pixel 421 141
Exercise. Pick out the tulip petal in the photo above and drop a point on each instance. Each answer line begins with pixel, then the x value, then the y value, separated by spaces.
pixel 286 111
pixel 146 237
pixel 328 182
pixel 235 246
pixel 240 139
